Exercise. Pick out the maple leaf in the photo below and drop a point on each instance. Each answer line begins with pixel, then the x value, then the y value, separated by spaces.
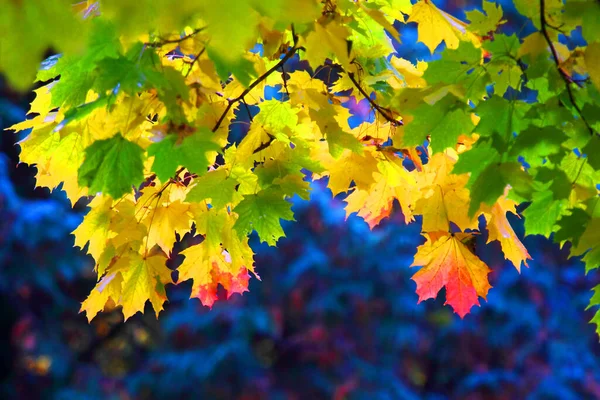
pixel 447 262
pixel 261 213
pixel 144 278
pixel 592 61
pixel 95 227
pixel 124 223
pixel 56 156
pixel 393 182
pixel 350 167
pixel 326 40
pixel 209 268
pixel 436 26
pixel 445 197
pixel 107 291
pixel 589 244
pixel 486 21
pixel 196 152
pixel 164 222
pixel 444 121
pixel 216 186
pixel 112 166
pixel 500 229
pixel 130 282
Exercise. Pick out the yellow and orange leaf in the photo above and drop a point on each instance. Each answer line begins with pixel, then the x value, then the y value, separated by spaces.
pixel 447 263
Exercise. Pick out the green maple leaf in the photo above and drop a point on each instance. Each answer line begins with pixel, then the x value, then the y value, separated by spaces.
pixel 487 21
pixel 112 166
pixel 571 226
pixel 460 67
pixel 454 65
pixel 504 65
pixel 558 181
pixel 534 144
pixel 592 150
pixel 445 121
pixel 501 116
pixel 191 154
pixel 217 187
pixel 278 117
pixel 594 302
pixel 476 160
pixel 77 73
pixel 262 213
pixel 589 245
pixel 543 213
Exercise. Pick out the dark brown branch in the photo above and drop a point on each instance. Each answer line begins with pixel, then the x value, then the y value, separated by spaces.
pixel 265 144
pixel 194 61
pixel 565 77
pixel 376 106
pixel 248 110
pixel 290 53
pixel 285 81
pixel 161 43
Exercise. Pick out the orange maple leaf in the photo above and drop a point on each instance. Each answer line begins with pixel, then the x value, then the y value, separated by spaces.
pixel 448 263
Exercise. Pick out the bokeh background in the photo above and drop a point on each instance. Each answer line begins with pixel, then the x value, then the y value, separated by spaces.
pixel 335 316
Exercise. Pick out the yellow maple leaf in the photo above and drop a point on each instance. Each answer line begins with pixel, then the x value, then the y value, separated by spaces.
pixel 447 262
pixel 164 221
pixel 95 227
pixel 411 75
pixel 445 197
pixel 392 182
pixel 124 222
pixel 349 167
pixel 107 290
pixel 326 40
pixel 144 278
pixel 57 156
pixel 500 229
pixel 435 26
pixel 130 282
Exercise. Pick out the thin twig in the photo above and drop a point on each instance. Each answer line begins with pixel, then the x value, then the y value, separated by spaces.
pixel 285 81
pixel 376 106
pixel 195 60
pixel 565 77
pixel 290 53
pixel 265 144
pixel 248 110
pixel 161 43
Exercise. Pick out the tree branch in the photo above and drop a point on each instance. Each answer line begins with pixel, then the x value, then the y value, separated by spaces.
pixel 171 41
pixel 565 77
pixel 194 61
pixel 290 53
pixel 376 106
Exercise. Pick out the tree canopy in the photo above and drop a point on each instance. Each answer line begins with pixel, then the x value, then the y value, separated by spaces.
pixel 202 118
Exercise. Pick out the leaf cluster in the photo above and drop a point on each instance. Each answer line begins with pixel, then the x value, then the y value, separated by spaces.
pixel 140 110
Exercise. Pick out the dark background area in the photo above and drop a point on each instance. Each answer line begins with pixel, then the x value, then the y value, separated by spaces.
pixel 335 315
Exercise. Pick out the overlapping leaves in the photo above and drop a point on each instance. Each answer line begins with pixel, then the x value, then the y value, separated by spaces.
pixel 142 118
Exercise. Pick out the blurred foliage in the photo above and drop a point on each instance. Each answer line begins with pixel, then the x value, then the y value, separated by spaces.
pixel 334 316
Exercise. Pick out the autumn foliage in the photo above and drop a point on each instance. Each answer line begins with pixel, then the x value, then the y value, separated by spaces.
pixel 137 115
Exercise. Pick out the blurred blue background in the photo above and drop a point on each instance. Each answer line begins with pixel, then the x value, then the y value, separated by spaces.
pixel 335 316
